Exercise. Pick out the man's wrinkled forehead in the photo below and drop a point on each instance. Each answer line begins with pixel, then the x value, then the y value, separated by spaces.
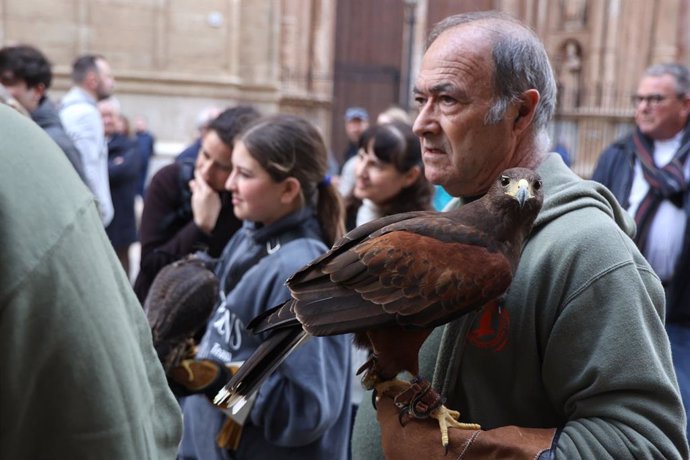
pixel 462 43
pixel 666 82
pixel 453 57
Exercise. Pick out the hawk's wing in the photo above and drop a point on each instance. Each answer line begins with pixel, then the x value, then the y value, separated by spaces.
pixel 416 269
pixel 402 276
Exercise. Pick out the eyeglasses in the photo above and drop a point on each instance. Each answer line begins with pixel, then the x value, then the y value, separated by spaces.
pixel 652 100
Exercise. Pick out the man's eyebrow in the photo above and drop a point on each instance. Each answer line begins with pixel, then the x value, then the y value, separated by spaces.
pixel 438 88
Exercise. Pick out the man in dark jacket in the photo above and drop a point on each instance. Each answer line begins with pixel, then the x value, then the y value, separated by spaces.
pixel 649 171
pixel 26 74
pixel 124 168
pixel 146 147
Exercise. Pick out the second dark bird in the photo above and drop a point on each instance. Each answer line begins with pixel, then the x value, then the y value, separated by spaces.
pixel 178 306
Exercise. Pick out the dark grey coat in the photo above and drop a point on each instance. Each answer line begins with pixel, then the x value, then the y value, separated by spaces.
pixel 46 116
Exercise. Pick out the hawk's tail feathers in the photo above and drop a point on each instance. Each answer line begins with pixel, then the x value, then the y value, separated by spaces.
pixel 278 317
pixel 260 365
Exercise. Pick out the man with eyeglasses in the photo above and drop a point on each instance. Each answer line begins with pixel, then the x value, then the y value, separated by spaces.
pixel 186 208
pixel 648 172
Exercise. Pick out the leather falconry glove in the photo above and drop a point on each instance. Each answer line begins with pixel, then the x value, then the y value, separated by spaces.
pixel 205 376
pixel 419 438
pixel 193 376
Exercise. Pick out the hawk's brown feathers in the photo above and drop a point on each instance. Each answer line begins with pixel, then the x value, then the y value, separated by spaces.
pixel 392 280
pixel 178 306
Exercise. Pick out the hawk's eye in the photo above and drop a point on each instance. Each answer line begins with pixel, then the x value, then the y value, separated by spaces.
pixel 537 185
pixel 505 180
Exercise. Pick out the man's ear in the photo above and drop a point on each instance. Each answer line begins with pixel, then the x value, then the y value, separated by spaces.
pixel 686 105
pixel 526 109
pixel 292 190
pixel 40 90
pixel 91 80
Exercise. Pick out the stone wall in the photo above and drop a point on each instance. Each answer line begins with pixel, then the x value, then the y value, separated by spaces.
pixel 171 58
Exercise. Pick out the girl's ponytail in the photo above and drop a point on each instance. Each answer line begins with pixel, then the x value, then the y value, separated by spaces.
pixel 330 211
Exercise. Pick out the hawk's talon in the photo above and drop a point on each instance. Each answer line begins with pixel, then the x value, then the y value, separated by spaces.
pixel 447 419
pixel 403 412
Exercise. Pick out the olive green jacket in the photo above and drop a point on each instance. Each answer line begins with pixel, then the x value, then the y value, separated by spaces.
pixel 79 378
pixel 579 345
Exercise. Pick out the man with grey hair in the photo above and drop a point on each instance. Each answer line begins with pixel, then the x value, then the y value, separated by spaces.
pixel 93 81
pixel 648 170
pixel 574 362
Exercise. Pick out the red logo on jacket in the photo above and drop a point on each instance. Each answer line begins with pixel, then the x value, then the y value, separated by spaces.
pixel 490 331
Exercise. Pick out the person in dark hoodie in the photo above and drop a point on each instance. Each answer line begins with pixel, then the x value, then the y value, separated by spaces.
pixel 177 219
pixel 26 73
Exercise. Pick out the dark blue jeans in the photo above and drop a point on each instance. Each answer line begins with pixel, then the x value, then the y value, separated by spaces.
pixel 679 336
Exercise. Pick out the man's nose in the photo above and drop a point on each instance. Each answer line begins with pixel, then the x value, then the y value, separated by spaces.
pixel 426 122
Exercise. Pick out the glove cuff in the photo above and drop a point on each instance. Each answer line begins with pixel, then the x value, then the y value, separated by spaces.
pixel 194 376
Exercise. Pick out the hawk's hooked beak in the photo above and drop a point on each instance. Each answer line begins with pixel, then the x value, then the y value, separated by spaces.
pixel 523 192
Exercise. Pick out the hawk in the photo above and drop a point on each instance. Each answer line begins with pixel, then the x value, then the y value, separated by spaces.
pixel 391 282
pixel 178 306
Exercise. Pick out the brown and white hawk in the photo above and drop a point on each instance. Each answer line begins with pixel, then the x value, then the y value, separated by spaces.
pixel 391 281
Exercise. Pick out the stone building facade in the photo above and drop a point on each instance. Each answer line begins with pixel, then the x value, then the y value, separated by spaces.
pixel 598 49
pixel 171 58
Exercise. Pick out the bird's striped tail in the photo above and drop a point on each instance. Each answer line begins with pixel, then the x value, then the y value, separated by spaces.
pixel 260 365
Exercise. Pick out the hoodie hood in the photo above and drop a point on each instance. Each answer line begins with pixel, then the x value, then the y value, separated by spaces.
pixel 303 219
pixel 565 191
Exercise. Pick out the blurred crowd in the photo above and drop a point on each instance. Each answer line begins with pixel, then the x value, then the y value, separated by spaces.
pixel 261 195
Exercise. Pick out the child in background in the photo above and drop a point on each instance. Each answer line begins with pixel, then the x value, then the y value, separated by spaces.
pixel 291 214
